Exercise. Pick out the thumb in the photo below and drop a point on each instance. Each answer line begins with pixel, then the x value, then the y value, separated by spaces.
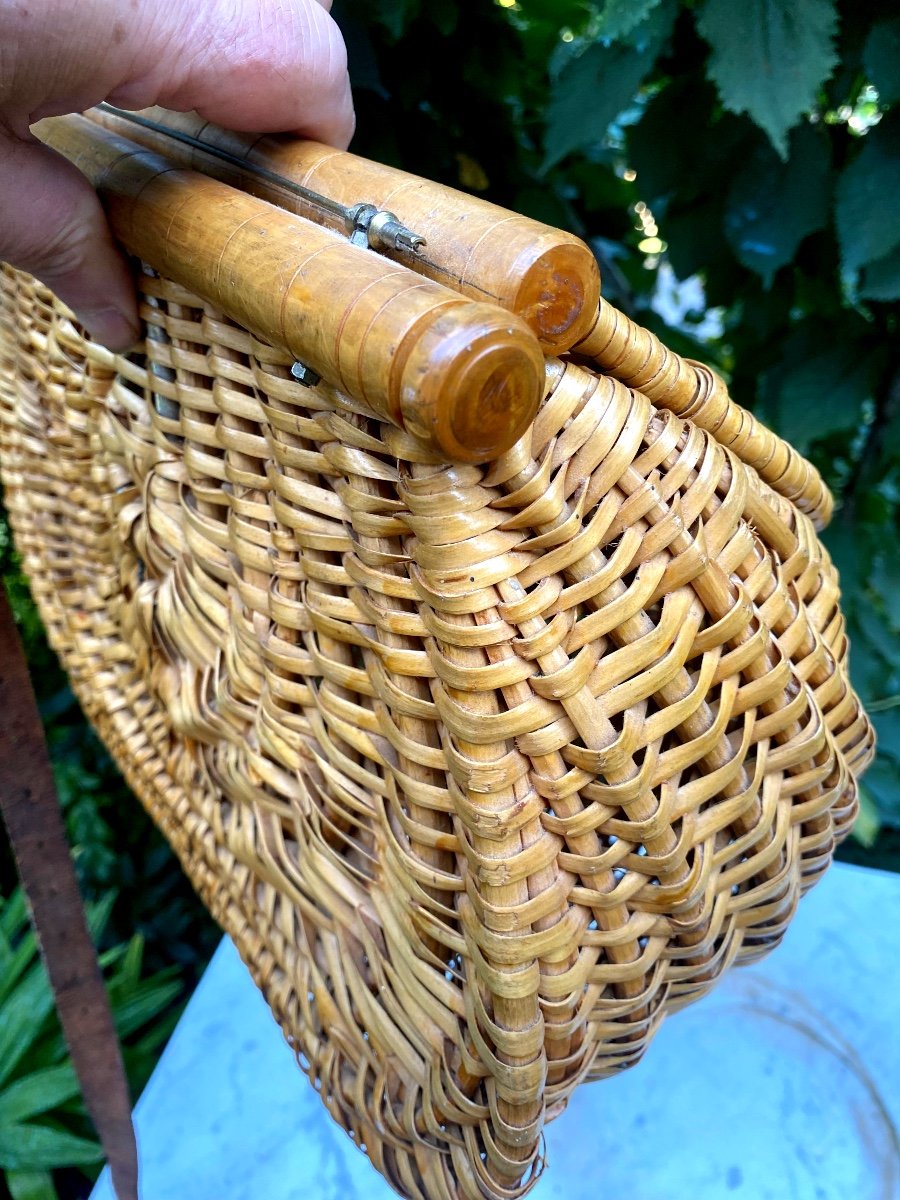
pixel 54 227
pixel 259 67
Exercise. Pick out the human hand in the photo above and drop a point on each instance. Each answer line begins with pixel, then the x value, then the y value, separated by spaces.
pixel 252 65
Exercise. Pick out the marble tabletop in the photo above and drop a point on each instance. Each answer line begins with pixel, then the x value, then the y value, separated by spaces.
pixel 783 1084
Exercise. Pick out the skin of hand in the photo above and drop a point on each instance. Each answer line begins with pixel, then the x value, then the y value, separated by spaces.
pixel 251 65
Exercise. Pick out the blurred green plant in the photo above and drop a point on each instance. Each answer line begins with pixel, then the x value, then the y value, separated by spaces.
pixel 736 169
pixel 43 1126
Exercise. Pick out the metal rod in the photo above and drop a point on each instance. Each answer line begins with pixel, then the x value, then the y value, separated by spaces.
pixel 358 219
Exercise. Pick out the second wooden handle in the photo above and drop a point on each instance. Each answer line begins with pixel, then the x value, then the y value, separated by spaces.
pixel 547 277
pixel 463 377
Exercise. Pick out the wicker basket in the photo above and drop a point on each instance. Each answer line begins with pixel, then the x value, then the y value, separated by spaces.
pixel 485 767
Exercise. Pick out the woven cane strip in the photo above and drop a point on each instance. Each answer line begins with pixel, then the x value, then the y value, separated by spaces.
pixel 484 769
pixel 690 389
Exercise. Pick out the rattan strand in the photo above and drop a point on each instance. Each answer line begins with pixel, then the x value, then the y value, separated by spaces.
pixel 484 769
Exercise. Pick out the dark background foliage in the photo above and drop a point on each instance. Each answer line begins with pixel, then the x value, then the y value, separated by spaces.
pixel 736 168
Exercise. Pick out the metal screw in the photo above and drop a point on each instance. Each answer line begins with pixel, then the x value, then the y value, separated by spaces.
pixel 381 230
pixel 304 374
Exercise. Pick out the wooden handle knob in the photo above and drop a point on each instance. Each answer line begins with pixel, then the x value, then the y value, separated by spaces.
pixel 548 278
pixel 464 377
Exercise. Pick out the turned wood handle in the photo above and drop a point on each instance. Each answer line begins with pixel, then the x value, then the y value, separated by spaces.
pixel 547 277
pixel 463 377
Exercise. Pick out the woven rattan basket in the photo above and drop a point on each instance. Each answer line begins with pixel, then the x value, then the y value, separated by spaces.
pixel 490 735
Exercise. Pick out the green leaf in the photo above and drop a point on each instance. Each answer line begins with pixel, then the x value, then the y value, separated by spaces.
pixel 13 914
pixel 881 58
pixel 887 726
pixel 98 913
pixel 38 1093
pixel 143 1003
pixel 882 783
pixel 592 87
pixel 697 246
pixel 31 1185
pixel 25 1012
pixel 773 205
pixel 130 970
pixel 867 214
pixel 769 58
pixel 14 963
pixel 868 823
pixel 394 15
pixel 33 1147
pixel 619 17
pixel 669 155
pixel 881 279
pixel 818 388
pixel 885 579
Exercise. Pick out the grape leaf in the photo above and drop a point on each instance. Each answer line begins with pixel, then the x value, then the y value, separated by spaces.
pixel 770 57
pixel 773 205
pixel 881 784
pixel 394 15
pixel 881 279
pixel 866 211
pixel 591 88
pixel 667 154
pixel 819 386
pixel 881 58
pixel 619 17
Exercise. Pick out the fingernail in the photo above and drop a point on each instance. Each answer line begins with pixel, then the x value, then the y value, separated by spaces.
pixel 110 327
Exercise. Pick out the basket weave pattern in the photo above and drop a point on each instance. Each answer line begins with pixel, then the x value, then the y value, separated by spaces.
pixel 484 769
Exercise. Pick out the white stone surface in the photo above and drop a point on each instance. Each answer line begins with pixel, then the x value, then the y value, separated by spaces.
pixel 783 1084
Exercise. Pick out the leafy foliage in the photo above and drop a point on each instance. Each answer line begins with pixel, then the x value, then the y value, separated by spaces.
pixel 772 205
pixel 866 210
pixel 43 1126
pixel 770 58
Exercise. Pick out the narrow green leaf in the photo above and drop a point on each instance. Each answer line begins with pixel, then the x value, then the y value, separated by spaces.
pixel 13 915
pixel 25 1012
pixel 114 955
pixel 773 205
pixel 34 1147
pixel 31 1185
pixel 144 1003
pixel 769 58
pixel 37 1093
pixel 14 965
pixel 592 87
pixel 881 58
pixel 98 914
pixel 130 970
pixel 867 214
